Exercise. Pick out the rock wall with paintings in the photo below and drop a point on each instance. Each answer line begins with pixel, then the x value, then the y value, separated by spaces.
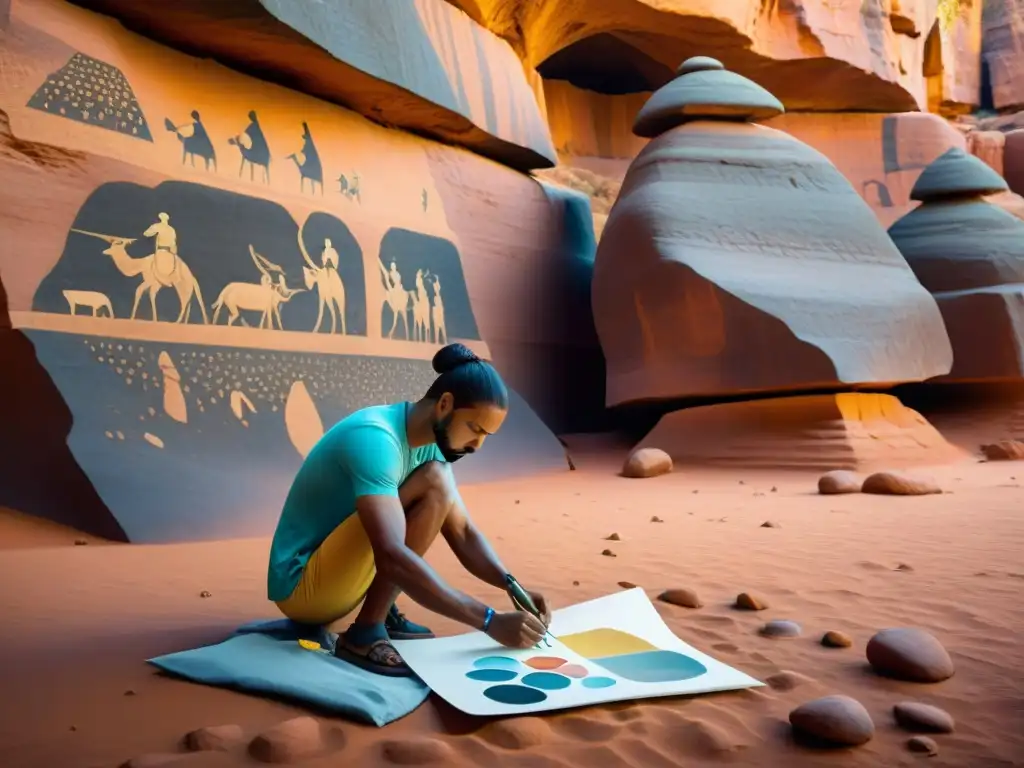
pixel 202 271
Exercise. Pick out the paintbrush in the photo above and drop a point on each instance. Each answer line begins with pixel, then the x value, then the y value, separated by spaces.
pixel 522 600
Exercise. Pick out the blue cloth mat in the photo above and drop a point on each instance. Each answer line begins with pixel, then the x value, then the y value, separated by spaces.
pixel 265 657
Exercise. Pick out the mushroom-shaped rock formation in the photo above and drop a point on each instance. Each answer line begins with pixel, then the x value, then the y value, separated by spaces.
pixel 970 254
pixel 738 259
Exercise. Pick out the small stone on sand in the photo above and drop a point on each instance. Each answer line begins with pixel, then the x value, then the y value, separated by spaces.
pixel 686 598
pixel 216 738
pixel 647 462
pixel 839 481
pixel 608 553
pixel 289 741
pixel 923 744
pixel 627 585
pixel 915 716
pixel 770 524
pixel 417 751
pixel 780 628
pixel 81 542
pixel 575 583
pixel 612 537
pixel 748 602
pixel 904 567
pixel 899 484
pixel 656 519
pixel 204 594
pixel 836 639
pixel 909 654
pixel 839 720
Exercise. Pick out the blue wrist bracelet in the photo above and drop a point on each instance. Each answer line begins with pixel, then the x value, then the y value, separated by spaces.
pixel 487 618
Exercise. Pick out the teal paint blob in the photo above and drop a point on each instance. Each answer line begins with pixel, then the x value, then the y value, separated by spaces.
pixel 548 681
pixel 597 682
pixel 492 675
pixel 514 694
pixel 652 666
pixel 496 662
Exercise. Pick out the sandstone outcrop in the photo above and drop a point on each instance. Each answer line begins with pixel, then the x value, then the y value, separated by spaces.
pixel 970 254
pixel 852 430
pixel 1002 43
pixel 422 66
pixel 803 51
pixel 733 246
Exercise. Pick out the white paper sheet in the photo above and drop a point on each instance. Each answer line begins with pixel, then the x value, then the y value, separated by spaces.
pixel 625 651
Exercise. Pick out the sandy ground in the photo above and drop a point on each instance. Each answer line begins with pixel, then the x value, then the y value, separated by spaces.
pixel 79 620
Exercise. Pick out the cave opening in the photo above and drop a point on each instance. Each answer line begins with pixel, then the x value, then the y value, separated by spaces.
pixel 606 64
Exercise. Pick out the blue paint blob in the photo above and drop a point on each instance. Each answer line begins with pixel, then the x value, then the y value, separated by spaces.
pixel 597 682
pixel 549 681
pixel 514 694
pixel 653 666
pixel 492 675
pixel 496 662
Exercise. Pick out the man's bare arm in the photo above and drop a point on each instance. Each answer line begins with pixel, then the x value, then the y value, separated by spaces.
pixel 471 547
pixel 384 521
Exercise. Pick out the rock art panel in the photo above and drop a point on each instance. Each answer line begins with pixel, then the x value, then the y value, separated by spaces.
pixel 421 65
pixel 851 431
pixel 93 93
pixel 708 273
pixel 187 315
pixel 970 254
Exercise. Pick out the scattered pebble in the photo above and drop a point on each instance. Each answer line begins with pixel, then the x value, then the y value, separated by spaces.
pixel 204 593
pixel 899 484
pixel 839 720
pixel 686 598
pixel 909 654
pixel 835 639
pixel 1004 450
pixel 656 519
pixel 81 542
pixel 216 738
pixel 780 628
pixel 289 741
pixel 748 602
pixel 915 716
pixel 575 583
pixel 417 751
pixel 787 680
pixel 774 489
pixel 904 567
pixel 129 692
pixel 647 462
pixel 770 524
pixel 923 744
pixel 608 553
pixel 612 537
pixel 696 491
pixel 839 481
pixel 627 585
pixel 517 501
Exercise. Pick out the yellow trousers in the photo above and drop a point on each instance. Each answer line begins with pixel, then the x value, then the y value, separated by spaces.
pixel 336 577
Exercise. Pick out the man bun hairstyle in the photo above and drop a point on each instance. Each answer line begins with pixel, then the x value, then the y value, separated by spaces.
pixel 470 380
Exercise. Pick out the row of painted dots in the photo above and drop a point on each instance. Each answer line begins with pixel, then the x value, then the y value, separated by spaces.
pixel 555 674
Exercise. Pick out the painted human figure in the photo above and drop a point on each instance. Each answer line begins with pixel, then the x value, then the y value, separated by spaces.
pixel 165 256
pixel 329 259
pixel 254 148
pixel 369 501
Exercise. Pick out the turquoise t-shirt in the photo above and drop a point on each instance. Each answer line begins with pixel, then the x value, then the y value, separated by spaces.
pixel 366 453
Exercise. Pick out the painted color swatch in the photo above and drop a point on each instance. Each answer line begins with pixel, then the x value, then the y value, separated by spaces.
pixel 514 694
pixel 547 681
pixel 598 643
pixel 492 675
pixel 631 657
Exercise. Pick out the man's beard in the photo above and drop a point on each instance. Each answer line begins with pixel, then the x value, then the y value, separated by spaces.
pixel 444 444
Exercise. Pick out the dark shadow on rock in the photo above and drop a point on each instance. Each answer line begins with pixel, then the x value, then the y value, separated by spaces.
pixel 38 474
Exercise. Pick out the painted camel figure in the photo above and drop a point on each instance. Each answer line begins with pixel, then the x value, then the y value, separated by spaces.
pixel 182 279
pixel 329 287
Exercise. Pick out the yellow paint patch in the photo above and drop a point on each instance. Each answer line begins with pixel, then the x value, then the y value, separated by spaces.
pixel 597 643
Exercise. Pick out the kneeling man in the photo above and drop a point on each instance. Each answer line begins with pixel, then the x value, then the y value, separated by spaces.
pixel 368 502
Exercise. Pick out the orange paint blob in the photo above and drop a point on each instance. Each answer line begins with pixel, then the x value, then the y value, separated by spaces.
pixel 544 662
